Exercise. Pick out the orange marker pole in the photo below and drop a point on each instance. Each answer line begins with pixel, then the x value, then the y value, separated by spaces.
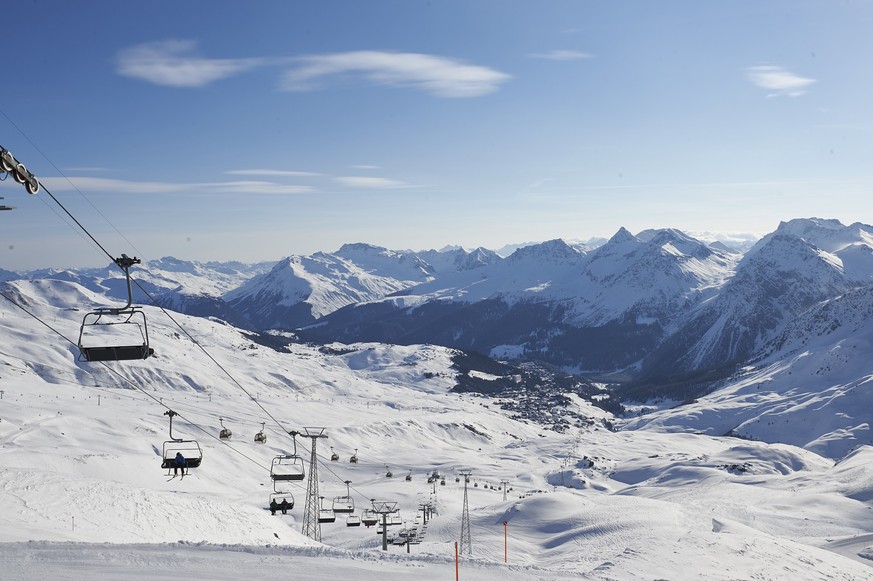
pixel 456 560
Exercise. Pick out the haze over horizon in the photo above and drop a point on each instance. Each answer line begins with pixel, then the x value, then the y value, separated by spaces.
pixel 221 134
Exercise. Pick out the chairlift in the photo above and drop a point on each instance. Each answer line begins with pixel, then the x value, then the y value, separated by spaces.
pixel 116 334
pixel 325 515
pixel 409 476
pixel 442 481
pixel 389 474
pixel 334 457
pixel 279 497
pixel 261 437
pixel 353 521
pixel 369 517
pixel 344 504
pixel 225 433
pixel 288 466
pixel 190 449
pixel 354 458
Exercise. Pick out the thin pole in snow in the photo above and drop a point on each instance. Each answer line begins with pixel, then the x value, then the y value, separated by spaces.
pixel 456 560
pixel 504 541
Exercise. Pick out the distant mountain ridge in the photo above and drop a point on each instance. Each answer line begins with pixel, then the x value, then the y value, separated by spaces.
pixel 658 307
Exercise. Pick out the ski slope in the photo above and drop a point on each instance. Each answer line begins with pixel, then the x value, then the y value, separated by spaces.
pixel 82 493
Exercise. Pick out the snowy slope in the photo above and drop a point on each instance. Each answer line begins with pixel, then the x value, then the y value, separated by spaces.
pixel 786 273
pixel 80 475
pixel 812 387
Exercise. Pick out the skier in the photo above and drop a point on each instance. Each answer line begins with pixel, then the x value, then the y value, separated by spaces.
pixel 179 462
pixel 273 506
pixel 284 506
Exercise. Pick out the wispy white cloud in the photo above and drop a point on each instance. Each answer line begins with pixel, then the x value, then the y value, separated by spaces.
pixel 174 63
pixel 562 55
pixel 779 81
pixel 365 166
pixel 271 172
pixel 370 182
pixel 96 184
pixel 439 76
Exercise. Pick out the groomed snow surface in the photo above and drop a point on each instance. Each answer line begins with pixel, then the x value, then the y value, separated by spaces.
pixel 82 494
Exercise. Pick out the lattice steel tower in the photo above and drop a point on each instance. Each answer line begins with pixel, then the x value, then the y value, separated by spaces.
pixel 311 526
pixel 466 539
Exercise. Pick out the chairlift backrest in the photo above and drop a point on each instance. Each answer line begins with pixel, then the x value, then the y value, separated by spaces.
pixel 287 468
pixel 190 450
pixel 280 496
pixel 343 504
pixel 114 335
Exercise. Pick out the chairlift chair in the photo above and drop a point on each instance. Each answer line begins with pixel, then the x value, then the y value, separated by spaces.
pixel 288 466
pixel 344 504
pixel 279 497
pixel 334 457
pixel 115 334
pixel 261 437
pixel 190 449
pixel 369 518
pixel 225 433
pixel 353 521
pixel 409 476
pixel 325 515
pixel 354 458
pixel 389 474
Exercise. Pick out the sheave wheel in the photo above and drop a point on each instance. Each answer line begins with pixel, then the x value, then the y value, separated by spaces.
pixel 20 173
pixel 32 186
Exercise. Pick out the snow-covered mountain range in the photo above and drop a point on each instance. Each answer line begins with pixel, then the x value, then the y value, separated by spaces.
pixel 660 307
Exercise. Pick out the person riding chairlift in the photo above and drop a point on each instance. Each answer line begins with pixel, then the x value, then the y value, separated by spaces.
pixel 179 462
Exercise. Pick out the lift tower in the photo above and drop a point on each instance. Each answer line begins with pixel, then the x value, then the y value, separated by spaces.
pixel 466 539
pixel 311 526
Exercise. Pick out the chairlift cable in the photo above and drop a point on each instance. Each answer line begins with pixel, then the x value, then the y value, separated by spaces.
pixel 146 293
pixel 84 197
pixel 154 302
pixel 134 385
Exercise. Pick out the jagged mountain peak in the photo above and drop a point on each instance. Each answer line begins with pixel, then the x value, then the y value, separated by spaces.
pixel 621 236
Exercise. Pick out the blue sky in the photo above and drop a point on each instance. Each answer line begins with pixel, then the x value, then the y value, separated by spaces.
pixel 214 130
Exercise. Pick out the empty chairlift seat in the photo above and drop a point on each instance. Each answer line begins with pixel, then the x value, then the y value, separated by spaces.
pixel 289 467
